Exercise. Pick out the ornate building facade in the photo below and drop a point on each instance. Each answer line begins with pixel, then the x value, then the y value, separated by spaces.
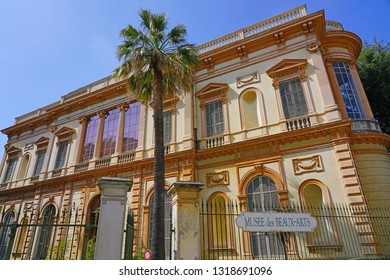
pixel 277 116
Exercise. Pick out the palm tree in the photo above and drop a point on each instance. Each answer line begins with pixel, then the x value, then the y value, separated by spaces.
pixel 156 64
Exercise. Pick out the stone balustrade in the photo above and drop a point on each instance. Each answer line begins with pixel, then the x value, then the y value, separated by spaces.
pixel 253 29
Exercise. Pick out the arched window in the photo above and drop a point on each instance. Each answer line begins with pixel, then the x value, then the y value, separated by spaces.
pixel 45 234
pixel 167 223
pixel 22 237
pixel 219 223
pixel 5 230
pixel 316 200
pixel 23 168
pixel 93 216
pixel 249 109
pixel 262 196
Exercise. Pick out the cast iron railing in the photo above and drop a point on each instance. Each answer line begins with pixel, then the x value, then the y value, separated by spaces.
pixel 343 232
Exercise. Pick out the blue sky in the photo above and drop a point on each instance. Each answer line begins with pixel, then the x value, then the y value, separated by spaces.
pixel 51 47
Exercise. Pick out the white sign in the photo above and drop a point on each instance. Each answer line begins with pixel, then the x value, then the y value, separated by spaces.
pixel 276 221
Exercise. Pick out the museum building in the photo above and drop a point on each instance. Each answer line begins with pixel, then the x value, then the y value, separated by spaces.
pixel 277 118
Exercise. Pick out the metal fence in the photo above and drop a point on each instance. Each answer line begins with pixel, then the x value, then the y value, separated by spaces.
pixel 68 235
pixel 342 232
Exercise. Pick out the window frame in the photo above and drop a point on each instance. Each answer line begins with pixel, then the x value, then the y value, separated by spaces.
pixel 64 135
pixel 291 97
pixel 289 69
pixel 270 239
pixel 213 127
pixel 12 157
pixel 208 94
pixel 351 94
pixel 109 132
pixel 136 106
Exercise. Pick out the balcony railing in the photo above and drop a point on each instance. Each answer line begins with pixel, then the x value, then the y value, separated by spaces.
pixel 80 167
pixel 253 29
pixel 331 25
pixel 57 172
pixel 34 178
pixel 127 157
pixel 103 162
pixel 365 125
pixel 215 141
pixel 298 123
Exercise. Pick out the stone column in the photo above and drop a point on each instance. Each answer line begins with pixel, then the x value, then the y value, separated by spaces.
pixel 120 132
pixel 185 220
pixel 99 136
pixel 110 232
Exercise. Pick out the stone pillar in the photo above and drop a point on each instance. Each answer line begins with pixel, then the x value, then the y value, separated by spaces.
pixel 185 220
pixel 110 232
pixel 99 136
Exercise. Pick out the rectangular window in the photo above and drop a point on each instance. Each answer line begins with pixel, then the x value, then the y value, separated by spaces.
pixel 167 119
pixel 61 154
pixel 90 138
pixel 110 133
pixel 9 170
pixel 293 98
pixel 131 127
pixel 39 162
pixel 214 119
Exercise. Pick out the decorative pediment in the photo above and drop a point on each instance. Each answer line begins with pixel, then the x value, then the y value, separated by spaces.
pixel 65 132
pixel 170 103
pixel 287 67
pixel 212 90
pixel 42 142
pixel 13 151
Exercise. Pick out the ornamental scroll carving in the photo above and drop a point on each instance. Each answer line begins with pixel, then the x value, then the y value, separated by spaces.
pixel 248 79
pixel 306 165
pixel 217 179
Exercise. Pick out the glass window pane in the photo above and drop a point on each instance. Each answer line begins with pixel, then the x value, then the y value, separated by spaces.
pixel 9 170
pixel 262 196
pixel 110 133
pixel 61 154
pixel 39 162
pixel 348 90
pixel 90 138
pixel 131 127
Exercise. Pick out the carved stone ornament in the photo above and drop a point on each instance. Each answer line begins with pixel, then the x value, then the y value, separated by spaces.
pixel 314 46
pixel 306 165
pixel 28 147
pixel 53 127
pixel 217 179
pixel 248 79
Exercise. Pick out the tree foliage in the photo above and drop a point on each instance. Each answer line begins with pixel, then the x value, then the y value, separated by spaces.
pixel 374 72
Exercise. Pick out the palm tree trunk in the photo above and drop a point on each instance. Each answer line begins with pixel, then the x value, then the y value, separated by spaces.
pixel 158 237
